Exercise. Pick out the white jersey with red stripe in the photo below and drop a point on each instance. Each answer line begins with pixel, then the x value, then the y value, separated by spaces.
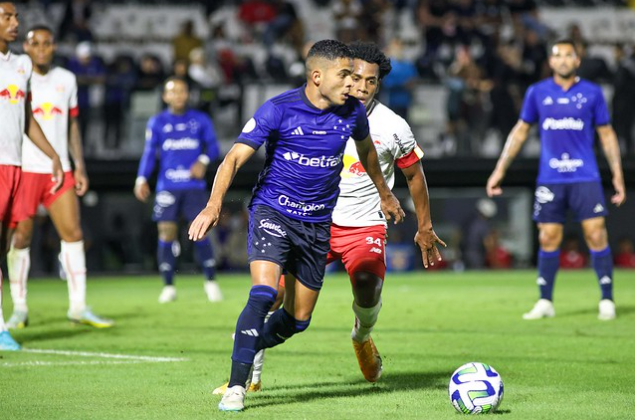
pixel 54 100
pixel 15 72
pixel 358 203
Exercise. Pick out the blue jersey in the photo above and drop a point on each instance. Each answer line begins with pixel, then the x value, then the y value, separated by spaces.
pixel 567 122
pixel 177 141
pixel 304 149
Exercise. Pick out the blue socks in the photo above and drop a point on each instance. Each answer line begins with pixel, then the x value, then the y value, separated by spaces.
pixel 248 332
pixel 205 257
pixel 167 261
pixel 548 264
pixel 280 327
pixel 603 265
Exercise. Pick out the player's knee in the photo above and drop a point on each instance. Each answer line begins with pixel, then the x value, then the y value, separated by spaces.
pixel 261 298
pixel 596 238
pixel 550 240
pixel 73 235
pixel 20 240
pixel 367 288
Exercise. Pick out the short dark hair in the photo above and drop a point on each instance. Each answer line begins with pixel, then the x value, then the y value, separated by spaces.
pixel 370 52
pixel 41 27
pixel 329 49
pixel 565 41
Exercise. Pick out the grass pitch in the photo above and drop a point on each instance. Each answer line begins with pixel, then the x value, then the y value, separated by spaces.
pixel 162 361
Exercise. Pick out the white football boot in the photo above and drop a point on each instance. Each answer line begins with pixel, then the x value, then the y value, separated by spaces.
pixel 542 309
pixel 233 399
pixel 168 294
pixel 606 310
pixel 213 291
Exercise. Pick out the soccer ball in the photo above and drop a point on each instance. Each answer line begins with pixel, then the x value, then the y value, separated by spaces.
pixel 475 388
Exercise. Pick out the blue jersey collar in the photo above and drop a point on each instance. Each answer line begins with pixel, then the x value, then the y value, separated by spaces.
pixel 558 87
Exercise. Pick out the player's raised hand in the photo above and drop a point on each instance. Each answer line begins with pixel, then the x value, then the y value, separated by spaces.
pixel 81 182
pixel 142 191
pixel 392 209
pixel 206 219
pixel 493 187
pixel 58 174
pixel 427 241
pixel 198 169
pixel 620 192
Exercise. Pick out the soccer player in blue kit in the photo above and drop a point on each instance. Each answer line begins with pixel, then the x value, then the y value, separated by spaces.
pixel 185 143
pixel 567 109
pixel 305 131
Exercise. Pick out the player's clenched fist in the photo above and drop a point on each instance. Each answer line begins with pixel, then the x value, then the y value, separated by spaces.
pixel 206 219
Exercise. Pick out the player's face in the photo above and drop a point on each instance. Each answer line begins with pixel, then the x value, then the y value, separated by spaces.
pixel 176 95
pixel 365 81
pixel 564 61
pixel 8 22
pixel 40 46
pixel 337 81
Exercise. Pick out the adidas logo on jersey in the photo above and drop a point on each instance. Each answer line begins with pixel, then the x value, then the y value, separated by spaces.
pixel 548 101
pixel 298 132
pixel 598 208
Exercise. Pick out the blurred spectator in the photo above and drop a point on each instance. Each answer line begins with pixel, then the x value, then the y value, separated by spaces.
pixel 439 23
pixel 121 78
pixel 624 98
pixel 571 257
pixel 229 238
pixel 591 68
pixel 496 256
pixel 206 77
pixel 466 104
pixel 150 74
pixel 254 12
pixel 347 14
pixel 397 86
pixel 476 231
pixel 286 22
pixel 185 41
pixel 373 17
pixel 75 21
pixel 90 71
pixel 535 57
pixel 625 256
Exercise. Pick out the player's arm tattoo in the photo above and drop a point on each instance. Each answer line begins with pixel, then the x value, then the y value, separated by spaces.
pixel 514 143
pixel 611 148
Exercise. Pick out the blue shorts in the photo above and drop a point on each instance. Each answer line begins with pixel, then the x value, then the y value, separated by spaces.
pixel 585 199
pixel 169 206
pixel 298 247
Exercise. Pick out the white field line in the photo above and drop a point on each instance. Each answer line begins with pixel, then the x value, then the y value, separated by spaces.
pixel 106 355
pixel 120 359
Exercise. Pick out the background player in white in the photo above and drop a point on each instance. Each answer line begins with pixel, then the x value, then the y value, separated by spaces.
pixel 16 118
pixel 358 231
pixel 569 111
pixel 54 104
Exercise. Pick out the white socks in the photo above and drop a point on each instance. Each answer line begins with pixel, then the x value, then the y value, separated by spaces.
pixel 74 263
pixel 365 319
pixel 259 360
pixel 18 264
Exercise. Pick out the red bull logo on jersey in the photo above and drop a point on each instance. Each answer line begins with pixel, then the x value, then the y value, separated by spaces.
pixel 352 167
pixel 47 111
pixel 13 93
pixel 563 124
pixel 565 163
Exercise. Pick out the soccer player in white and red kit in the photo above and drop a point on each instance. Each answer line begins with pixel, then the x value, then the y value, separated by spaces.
pixel 16 118
pixel 54 104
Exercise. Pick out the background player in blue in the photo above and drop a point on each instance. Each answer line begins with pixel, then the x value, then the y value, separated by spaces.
pixel 185 143
pixel 567 109
pixel 305 131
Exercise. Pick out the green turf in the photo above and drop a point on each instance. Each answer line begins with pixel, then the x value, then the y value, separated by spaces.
pixel 570 367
